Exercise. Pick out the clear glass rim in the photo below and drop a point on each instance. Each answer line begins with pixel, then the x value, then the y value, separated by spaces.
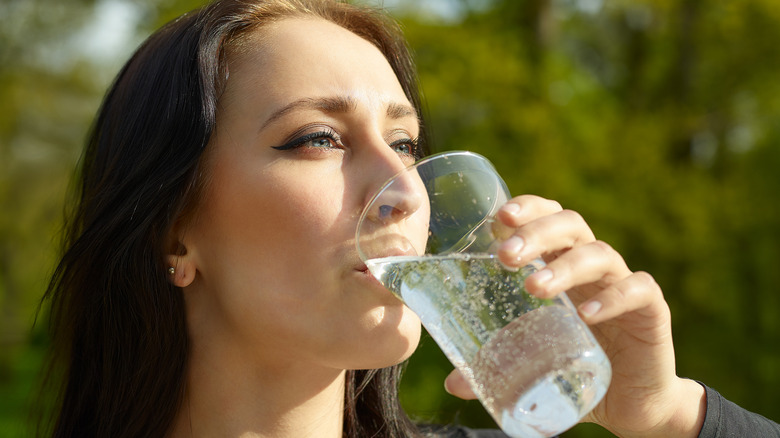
pixel 385 185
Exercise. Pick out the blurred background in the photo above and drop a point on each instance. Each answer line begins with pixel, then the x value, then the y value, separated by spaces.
pixel 657 120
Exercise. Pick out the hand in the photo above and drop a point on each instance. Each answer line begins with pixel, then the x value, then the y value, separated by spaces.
pixel 626 311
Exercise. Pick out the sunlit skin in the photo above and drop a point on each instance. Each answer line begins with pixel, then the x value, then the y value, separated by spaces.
pixel 626 311
pixel 395 221
pixel 278 302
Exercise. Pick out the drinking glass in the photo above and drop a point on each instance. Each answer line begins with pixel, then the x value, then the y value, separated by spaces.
pixel 430 237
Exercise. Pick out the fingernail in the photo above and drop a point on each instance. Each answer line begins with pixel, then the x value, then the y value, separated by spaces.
pixel 590 308
pixel 543 276
pixel 512 209
pixel 513 246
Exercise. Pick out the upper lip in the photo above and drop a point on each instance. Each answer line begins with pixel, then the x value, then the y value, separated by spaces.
pixel 390 252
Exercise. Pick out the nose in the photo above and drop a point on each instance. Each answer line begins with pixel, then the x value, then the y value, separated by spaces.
pixel 401 197
pixel 398 200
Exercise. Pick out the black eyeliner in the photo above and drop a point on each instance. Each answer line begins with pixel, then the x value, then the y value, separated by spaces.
pixel 292 144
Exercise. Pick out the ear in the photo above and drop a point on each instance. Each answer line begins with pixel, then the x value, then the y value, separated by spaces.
pixel 181 267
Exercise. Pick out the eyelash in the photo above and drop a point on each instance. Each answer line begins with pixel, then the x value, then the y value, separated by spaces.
pixel 415 152
pixel 307 138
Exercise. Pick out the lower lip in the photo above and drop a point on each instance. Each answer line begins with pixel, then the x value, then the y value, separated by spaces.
pixel 370 277
pixel 372 282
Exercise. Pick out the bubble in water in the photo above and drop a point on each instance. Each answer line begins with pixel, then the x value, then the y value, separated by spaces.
pixel 479 314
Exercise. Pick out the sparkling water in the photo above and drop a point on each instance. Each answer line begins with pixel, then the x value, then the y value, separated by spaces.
pixel 533 363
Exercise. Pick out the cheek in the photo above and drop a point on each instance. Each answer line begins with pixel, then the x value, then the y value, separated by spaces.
pixel 302 227
pixel 256 226
pixel 308 210
pixel 297 228
pixel 265 242
pixel 285 205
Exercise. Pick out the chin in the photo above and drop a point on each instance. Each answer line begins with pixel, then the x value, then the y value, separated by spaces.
pixel 391 344
pixel 410 338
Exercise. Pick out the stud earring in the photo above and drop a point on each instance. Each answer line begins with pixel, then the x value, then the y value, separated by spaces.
pixel 171 270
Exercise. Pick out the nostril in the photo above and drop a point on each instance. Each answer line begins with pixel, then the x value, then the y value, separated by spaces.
pixel 385 211
pixel 397 201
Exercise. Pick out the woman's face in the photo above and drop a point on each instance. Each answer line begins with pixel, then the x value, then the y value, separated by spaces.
pixel 312 121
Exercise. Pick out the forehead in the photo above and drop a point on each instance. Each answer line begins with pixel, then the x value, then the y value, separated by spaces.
pixel 297 58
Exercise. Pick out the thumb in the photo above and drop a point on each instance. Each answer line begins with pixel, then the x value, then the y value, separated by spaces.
pixel 457 385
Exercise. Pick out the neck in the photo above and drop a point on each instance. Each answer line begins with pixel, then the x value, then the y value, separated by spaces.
pixel 230 398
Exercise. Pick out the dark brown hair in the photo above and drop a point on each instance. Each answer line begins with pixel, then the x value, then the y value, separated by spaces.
pixel 119 343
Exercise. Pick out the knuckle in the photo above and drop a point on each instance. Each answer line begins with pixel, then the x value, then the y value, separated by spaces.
pixel 555 205
pixel 604 248
pixel 646 280
pixel 572 215
pixel 525 199
pixel 538 203
pixel 577 221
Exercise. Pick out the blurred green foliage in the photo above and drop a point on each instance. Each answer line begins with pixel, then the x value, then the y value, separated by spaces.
pixel 658 121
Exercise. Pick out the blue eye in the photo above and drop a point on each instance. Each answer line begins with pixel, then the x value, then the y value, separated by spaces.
pixel 320 139
pixel 321 142
pixel 408 147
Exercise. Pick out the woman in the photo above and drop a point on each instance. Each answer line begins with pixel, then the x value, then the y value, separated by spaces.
pixel 210 285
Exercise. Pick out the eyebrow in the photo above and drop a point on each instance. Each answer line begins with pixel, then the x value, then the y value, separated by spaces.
pixel 337 105
pixel 399 111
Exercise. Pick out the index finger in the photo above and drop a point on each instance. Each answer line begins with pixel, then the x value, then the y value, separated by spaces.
pixel 525 208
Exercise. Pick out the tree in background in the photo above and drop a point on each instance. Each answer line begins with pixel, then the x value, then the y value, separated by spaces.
pixel 659 121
